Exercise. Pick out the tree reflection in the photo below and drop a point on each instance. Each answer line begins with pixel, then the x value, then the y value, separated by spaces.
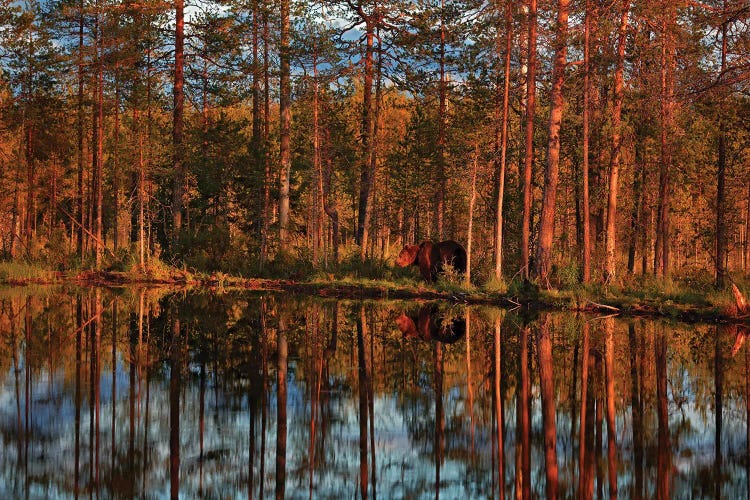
pixel 523 421
pixel 355 407
pixel 544 352
pixel 664 454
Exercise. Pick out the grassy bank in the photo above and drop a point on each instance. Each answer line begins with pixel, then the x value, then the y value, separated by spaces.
pixel 687 298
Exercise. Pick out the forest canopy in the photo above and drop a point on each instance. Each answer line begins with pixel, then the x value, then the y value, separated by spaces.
pixel 559 141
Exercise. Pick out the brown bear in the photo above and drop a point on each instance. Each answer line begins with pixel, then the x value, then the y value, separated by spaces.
pixel 428 326
pixel 430 257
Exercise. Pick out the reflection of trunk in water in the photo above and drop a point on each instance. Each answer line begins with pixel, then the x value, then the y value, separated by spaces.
pixel 175 369
pixel 547 385
pixel 91 332
pixel 585 472
pixel 133 340
pixel 281 346
pixel 747 415
pixel 599 420
pixel 202 424
pixel 664 458
pixel 469 388
pixel 498 408
pixel 363 406
pixel 98 378
pixel 523 452
pixel 439 424
pixel 114 384
pixel 265 332
pixel 315 389
pixel 572 397
pixel 27 401
pixel 609 362
pixel 719 408
pixel 637 412
pixel 79 332
pixel 371 412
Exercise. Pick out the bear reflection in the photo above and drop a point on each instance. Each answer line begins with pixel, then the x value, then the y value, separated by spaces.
pixel 428 325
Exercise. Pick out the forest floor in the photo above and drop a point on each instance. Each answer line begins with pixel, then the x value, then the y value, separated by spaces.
pixel 677 298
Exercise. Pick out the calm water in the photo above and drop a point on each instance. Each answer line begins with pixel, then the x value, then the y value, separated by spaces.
pixel 146 393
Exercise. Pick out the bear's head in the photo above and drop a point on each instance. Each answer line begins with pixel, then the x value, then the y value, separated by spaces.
pixel 408 256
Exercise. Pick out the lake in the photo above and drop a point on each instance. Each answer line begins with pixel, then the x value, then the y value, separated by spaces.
pixel 156 393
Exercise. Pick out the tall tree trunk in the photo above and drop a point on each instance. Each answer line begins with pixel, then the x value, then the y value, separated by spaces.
pixel 115 171
pixel 256 140
pixel 141 191
pixel 317 164
pixel 610 266
pixel 285 97
pixel 747 231
pixel 586 243
pixel 721 197
pixel 529 162
pixel 552 172
pixel 366 178
pixel 79 126
pixel 178 120
pixel 30 180
pixel 440 177
pixel 661 254
pixel 329 202
pixel 472 202
pixel 502 128
pixel 98 141
pixel 266 132
pixel 636 223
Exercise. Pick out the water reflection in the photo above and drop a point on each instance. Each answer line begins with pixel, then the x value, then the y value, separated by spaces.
pixel 139 392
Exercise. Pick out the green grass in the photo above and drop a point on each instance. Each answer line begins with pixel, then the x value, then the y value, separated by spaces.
pixel 22 272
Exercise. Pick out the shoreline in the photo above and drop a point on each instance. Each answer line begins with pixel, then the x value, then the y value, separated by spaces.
pixel 562 300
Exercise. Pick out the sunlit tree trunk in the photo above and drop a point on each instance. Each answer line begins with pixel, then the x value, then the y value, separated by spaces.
pixel 285 154
pixel 721 197
pixel 661 254
pixel 472 202
pixel 552 172
pixel 529 161
pixel 440 177
pixel 79 132
pixel 265 137
pixel 317 164
pixel 98 133
pixel 177 124
pixel 502 128
pixel 585 175
pixel 366 175
pixel 610 264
